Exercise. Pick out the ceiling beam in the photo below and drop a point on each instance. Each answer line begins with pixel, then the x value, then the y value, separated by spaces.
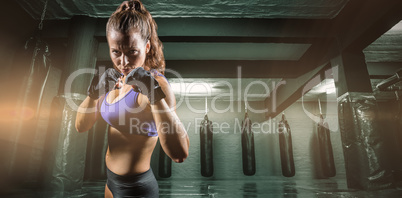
pixel 239 27
pixel 206 30
pixel 358 25
pixel 361 22
pixel 267 29
pixel 255 68
pixel 288 91
pixel 316 55
pixel 227 68
pixel 234 39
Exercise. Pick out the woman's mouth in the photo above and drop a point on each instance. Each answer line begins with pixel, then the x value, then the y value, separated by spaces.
pixel 126 70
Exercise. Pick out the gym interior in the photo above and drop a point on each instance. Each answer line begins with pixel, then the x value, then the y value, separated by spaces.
pixel 279 98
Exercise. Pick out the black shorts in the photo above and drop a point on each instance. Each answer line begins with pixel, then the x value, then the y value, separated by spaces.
pixel 140 185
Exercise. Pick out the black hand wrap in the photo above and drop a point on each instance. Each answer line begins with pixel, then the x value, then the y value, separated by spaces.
pixel 146 84
pixel 101 85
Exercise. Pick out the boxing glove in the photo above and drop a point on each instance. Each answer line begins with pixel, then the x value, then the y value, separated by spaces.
pixel 101 85
pixel 143 82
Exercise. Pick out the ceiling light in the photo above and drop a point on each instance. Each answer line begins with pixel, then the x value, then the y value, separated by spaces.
pixel 331 90
pixel 192 88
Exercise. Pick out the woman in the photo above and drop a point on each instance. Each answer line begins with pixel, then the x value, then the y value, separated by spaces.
pixel 139 110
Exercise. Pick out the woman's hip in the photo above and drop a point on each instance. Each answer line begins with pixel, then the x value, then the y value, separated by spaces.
pixel 139 185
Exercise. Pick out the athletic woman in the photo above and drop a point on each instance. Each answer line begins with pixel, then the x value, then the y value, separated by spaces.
pixel 139 109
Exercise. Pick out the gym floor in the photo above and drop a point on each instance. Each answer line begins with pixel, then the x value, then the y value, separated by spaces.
pixel 274 187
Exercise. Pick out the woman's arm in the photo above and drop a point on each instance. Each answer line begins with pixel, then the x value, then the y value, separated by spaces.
pixel 156 90
pixel 87 112
pixel 172 134
pixel 86 115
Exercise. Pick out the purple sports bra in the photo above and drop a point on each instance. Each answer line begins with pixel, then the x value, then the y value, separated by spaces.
pixel 127 116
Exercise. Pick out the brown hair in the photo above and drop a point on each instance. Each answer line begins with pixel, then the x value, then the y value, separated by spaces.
pixel 133 14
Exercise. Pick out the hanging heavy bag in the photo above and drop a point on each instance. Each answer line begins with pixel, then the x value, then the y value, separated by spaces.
pixel 285 147
pixel 165 164
pixel 364 147
pixel 247 142
pixel 325 149
pixel 38 65
pixel 206 131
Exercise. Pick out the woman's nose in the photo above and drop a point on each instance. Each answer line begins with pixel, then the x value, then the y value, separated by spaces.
pixel 124 60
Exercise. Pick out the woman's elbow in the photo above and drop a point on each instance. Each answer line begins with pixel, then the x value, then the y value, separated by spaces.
pixel 181 160
pixel 80 129
pixel 181 157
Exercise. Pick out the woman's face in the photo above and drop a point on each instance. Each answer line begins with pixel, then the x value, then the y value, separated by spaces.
pixel 127 50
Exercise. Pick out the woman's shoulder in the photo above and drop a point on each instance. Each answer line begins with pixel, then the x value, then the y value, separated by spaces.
pixel 159 77
pixel 165 85
pixel 156 73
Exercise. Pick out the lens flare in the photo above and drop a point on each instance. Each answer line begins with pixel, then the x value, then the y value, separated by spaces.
pixel 12 113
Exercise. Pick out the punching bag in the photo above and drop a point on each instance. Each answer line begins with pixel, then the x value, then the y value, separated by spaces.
pixel 325 148
pixel 165 164
pixel 206 134
pixel 247 143
pixel 36 57
pixel 364 146
pixel 285 147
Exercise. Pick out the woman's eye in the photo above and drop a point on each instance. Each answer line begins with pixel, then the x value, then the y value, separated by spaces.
pixel 115 52
pixel 133 51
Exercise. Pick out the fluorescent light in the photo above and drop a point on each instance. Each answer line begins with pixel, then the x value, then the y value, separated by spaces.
pixel 196 88
pixel 192 88
pixel 331 90
pixel 326 86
